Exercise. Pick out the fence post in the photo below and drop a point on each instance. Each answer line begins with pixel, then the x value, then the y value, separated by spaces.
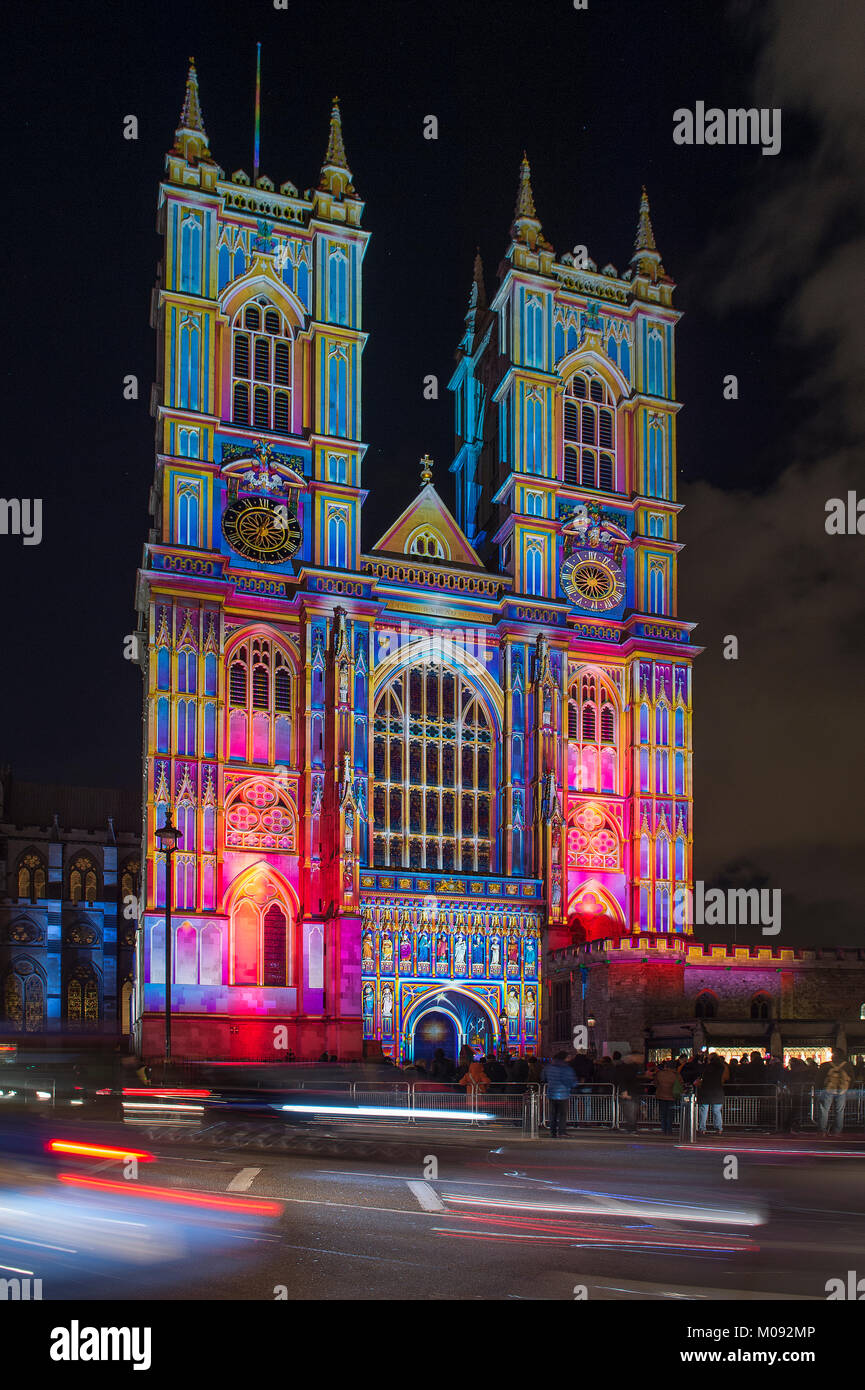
pixel 530 1113
pixel 688 1122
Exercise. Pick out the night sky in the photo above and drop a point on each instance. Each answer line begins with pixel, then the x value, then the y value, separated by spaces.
pixel 769 257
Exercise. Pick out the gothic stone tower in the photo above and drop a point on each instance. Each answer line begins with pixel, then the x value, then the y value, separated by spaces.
pixel 566 481
pixel 255 727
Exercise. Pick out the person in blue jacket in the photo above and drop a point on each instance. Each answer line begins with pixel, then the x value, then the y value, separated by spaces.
pixel 559 1080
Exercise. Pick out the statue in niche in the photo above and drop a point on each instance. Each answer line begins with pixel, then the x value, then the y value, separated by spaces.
pixel 460 954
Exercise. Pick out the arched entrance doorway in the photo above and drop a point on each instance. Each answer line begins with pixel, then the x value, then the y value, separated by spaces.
pixel 460 1013
pixel 434 1030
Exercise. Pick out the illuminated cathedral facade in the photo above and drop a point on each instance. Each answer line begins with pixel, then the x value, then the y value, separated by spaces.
pixel 403 775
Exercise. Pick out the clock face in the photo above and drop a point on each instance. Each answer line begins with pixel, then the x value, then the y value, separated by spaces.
pixel 592 581
pixel 259 529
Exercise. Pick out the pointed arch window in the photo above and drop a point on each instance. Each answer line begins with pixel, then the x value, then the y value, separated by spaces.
pixel 337 538
pixel 261 936
pixel 589 429
pixel 130 878
pixel 657 589
pixel 82 996
pixel 534 432
pixel 433 770
pixel 83 880
pixel 656 362
pixel 337 413
pixel 223 268
pixel 190 362
pixel 761 1006
pixel 31 876
pixel 706 1005
pixel 260 703
pixel 22 998
pixel 262 350
pixel 338 284
pixel 534 568
pixel 428 544
pixel 190 254
pixel 534 330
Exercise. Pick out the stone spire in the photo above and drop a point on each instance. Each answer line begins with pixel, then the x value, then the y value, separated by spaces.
pixel 190 138
pixel 526 226
pixel 646 259
pixel 335 174
pixel 478 292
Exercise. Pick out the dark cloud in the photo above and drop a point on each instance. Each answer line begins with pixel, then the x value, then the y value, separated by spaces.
pixel 780 759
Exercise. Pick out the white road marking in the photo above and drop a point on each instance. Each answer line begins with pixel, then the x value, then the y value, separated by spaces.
pixel 242 1181
pixel 684 1291
pixel 426 1195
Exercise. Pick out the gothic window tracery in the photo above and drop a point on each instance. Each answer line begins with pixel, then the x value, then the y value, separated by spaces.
pixel 589 434
pixel 22 998
pixel 261 935
pixel 428 544
pixel 432 772
pixel 262 348
pixel 31 876
pixel 82 995
pixel 83 880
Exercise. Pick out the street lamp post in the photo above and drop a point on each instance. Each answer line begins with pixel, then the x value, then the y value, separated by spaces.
pixel 167 838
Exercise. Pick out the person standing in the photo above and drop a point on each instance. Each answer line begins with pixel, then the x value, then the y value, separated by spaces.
pixel 630 1080
pixel 666 1079
pixel 834 1083
pixel 710 1089
pixel 560 1081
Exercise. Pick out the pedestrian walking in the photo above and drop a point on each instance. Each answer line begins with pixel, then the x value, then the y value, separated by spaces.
pixel 560 1081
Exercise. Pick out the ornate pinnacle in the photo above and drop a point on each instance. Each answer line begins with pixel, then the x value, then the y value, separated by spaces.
pixel 335 174
pixel 191 117
pixel 335 148
pixel 526 226
pixel 426 464
pixel 525 201
pixel 646 259
pixel 190 138
pixel 645 239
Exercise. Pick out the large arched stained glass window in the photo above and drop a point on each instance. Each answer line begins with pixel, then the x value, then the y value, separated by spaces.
pixel 432 773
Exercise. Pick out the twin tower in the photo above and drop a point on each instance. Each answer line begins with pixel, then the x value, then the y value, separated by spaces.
pixel 401 772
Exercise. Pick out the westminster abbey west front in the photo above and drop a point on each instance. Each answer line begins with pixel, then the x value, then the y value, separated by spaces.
pixel 403 772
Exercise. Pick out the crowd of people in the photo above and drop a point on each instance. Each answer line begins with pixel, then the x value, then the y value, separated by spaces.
pixel 711 1075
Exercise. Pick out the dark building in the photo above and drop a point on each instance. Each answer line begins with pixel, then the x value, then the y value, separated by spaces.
pixel 69 858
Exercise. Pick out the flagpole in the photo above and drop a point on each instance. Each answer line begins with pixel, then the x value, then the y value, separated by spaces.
pixel 257 115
